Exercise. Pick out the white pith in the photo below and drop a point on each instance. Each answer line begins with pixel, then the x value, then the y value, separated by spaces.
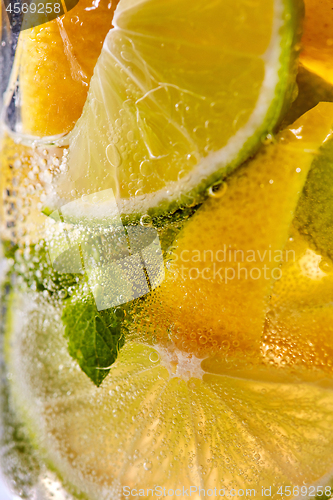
pixel 180 364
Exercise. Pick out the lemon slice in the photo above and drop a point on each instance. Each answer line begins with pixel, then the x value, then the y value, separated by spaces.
pixel 55 63
pixel 178 100
pixel 156 421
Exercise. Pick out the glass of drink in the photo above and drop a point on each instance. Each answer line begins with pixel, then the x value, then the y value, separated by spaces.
pixel 166 272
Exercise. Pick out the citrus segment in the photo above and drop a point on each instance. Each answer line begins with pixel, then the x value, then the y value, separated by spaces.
pixel 227 256
pixel 56 63
pixel 301 338
pixel 177 101
pixel 145 427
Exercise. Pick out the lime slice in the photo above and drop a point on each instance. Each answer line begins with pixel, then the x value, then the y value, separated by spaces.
pixel 165 420
pixel 177 101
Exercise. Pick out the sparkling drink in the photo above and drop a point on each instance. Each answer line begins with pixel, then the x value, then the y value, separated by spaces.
pixel 167 272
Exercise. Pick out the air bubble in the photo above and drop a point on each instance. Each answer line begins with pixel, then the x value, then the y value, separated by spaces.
pixel 200 132
pixel 130 135
pixel 218 108
pixel 267 140
pixel 62 294
pixel 145 220
pixel 192 159
pixel 127 56
pixel 113 155
pixel 218 191
pixel 154 357
pixel 147 466
pixel 145 168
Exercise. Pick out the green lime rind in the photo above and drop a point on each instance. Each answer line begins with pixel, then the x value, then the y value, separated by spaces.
pixel 314 212
pixel 19 461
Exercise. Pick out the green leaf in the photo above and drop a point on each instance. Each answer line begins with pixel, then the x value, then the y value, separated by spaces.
pixel 94 337
pixel 32 264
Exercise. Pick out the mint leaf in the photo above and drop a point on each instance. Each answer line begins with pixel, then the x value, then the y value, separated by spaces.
pixel 94 337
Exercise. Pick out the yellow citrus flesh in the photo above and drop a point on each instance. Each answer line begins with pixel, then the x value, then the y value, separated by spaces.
pixel 317 39
pixel 307 277
pixel 56 63
pixel 24 175
pixel 171 107
pixel 228 255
